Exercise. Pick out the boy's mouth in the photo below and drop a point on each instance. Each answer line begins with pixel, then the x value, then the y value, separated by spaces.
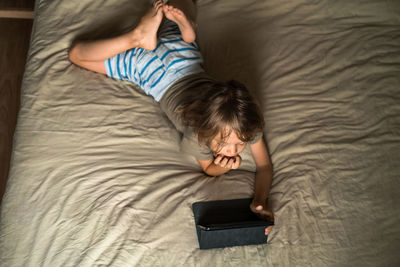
pixel 225 156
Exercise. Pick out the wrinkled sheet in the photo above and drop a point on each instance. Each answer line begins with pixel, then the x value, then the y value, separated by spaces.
pixel 97 178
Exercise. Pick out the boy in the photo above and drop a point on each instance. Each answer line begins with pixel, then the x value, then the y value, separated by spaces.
pixel 217 119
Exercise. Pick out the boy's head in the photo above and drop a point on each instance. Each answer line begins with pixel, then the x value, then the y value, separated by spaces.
pixel 225 117
pixel 227 144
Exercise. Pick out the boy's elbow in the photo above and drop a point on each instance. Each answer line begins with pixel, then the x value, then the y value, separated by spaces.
pixel 205 166
pixel 208 172
pixel 72 55
pixel 211 171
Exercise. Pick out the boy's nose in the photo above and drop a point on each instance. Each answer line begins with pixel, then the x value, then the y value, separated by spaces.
pixel 231 151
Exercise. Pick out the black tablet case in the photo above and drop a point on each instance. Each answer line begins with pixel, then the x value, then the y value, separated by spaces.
pixel 229 223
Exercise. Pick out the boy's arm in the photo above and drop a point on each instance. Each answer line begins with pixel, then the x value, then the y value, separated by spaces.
pixel 210 168
pixel 263 179
pixel 219 165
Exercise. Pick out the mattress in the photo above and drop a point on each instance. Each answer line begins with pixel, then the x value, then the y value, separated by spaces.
pixel 97 178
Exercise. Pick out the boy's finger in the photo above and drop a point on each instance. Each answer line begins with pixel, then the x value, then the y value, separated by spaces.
pixel 236 163
pixel 268 230
pixel 231 161
pixel 255 208
pixel 223 162
pixel 267 215
pixel 238 160
pixel 217 160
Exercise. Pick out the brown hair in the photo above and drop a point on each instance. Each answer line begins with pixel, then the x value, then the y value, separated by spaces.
pixel 219 106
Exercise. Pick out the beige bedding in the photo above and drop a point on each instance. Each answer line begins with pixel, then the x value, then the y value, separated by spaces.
pixel 97 178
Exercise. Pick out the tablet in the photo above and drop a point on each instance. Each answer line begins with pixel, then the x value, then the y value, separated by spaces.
pixel 225 223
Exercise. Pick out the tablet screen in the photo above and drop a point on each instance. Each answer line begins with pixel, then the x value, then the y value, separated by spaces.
pixel 226 214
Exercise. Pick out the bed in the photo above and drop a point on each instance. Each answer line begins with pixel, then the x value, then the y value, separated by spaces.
pixel 97 178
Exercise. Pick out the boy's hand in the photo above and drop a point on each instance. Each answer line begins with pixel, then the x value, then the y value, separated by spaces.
pixel 228 162
pixel 263 212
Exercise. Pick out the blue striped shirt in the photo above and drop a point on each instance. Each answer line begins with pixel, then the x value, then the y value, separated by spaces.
pixel 157 70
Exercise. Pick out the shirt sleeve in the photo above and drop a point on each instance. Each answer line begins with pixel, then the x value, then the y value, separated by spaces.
pixel 190 146
pixel 256 138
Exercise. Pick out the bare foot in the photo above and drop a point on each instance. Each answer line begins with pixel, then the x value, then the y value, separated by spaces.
pixel 146 32
pixel 185 26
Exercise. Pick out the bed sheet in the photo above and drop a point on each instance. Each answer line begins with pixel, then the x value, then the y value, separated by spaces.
pixel 97 178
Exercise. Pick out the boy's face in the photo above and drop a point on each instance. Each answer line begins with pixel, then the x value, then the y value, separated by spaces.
pixel 230 147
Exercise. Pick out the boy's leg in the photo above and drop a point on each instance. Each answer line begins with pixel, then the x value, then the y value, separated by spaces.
pixel 183 13
pixel 91 55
